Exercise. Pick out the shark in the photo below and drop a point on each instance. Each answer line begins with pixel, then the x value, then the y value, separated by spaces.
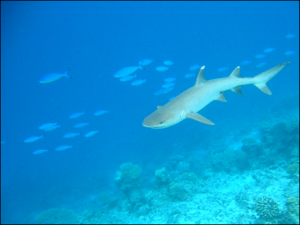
pixel 191 101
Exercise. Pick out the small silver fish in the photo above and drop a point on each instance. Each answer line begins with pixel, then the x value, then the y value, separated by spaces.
pixel 168 85
pixel 260 64
pixel 221 69
pixel 168 63
pixel 80 125
pixel 70 135
pixel 100 112
pixel 75 115
pixel 145 62
pixel 39 151
pixel 91 133
pixel 53 77
pixel 162 68
pixel 290 35
pixel 289 53
pixel 52 128
pixel 138 82
pixel 127 78
pixel 163 91
pixel 260 56
pixel 63 147
pixel 268 50
pixel 170 79
pixel 188 75
pixel 127 71
pixel 47 125
pixel 245 62
pixel 33 138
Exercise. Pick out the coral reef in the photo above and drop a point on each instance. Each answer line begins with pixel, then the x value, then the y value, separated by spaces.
pixel 291 211
pixel 161 176
pixel 282 137
pixel 190 177
pixel 267 208
pixel 177 191
pixel 292 169
pixel 128 177
pixel 251 146
pixel 228 160
pixel 56 216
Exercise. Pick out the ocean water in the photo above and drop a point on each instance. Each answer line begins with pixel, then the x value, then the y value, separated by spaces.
pixel 213 174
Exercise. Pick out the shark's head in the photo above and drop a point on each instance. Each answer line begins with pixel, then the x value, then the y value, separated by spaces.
pixel 160 119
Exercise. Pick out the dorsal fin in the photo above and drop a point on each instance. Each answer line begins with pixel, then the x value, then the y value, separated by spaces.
pixel 200 77
pixel 236 73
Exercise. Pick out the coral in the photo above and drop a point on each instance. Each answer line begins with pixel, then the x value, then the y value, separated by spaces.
pixel 56 216
pixel 282 136
pixel 293 205
pixel 173 161
pixel 267 208
pixel 291 212
pixel 161 176
pixel 228 159
pixel 136 196
pixel 183 167
pixel 128 176
pixel 189 176
pixel 103 198
pixel 177 191
pixel 293 168
pixel 250 146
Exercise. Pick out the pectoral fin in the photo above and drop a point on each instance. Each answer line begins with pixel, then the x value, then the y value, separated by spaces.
pixel 199 118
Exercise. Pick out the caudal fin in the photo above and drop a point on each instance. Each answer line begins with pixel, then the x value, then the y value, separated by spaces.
pixel 262 79
pixel 67 74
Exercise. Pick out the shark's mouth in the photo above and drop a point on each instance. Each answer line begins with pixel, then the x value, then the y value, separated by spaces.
pixel 155 127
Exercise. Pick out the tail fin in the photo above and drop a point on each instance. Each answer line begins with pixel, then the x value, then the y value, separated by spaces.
pixel 262 79
pixel 67 74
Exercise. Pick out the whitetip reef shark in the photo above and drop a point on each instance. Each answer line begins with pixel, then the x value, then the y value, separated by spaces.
pixel 189 102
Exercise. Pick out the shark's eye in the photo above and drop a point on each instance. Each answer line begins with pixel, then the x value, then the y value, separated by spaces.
pixel 161 122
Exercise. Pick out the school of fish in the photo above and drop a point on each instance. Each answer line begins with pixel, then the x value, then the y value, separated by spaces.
pixel 135 75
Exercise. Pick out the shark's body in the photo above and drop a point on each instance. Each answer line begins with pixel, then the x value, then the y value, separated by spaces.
pixel 189 102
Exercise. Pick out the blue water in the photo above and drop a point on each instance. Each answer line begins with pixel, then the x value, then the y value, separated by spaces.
pixel 96 39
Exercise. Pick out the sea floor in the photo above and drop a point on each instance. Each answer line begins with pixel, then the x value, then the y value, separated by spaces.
pixel 247 177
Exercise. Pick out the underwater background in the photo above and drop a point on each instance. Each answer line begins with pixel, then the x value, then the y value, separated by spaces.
pixel 245 169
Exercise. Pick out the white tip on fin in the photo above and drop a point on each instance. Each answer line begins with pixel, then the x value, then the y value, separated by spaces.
pixel 200 77
pixel 236 73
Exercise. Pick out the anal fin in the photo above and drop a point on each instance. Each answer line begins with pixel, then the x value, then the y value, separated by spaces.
pixel 199 118
pixel 237 90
